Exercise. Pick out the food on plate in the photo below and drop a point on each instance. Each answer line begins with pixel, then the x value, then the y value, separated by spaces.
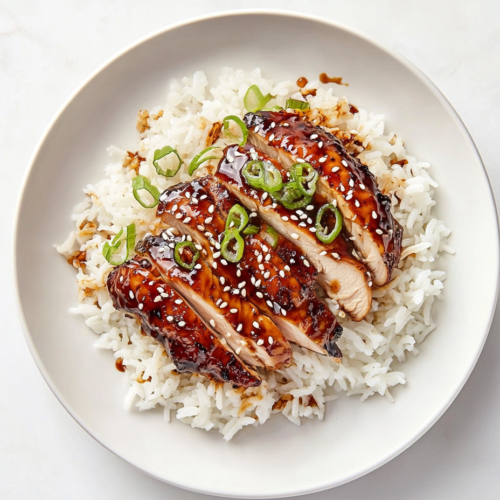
pixel 265 248
pixel 292 138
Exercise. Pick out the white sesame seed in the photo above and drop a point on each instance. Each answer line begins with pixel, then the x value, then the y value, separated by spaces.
pixel 212 322
pixel 285 124
pixel 255 324
pixel 266 275
pixel 252 279
pixel 170 318
pixel 284 217
pixel 131 294
pixel 314 136
pixel 163 197
pixel 295 236
pixel 223 341
pixel 216 255
pixel 356 202
pixel 174 208
pixel 374 214
pixel 292 261
pixel 178 216
pixel 362 186
pixel 323 159
pixel 178 302
pixel 348 197
pixel 300 160
pixel 214 265
pixel 223 305
pixel 258 283
pixel 282 273
pixel 261 267
pixel 273 125
pixel 379 231
pixel 274 205
pixel 342 188
pixel 208 220
pixel 264 247
pixel 238 273
pixel 283 312
pixel 256 129
pixel 238 350
pixel 335 169
pixel 268 257
pixel 264 196
pixel 208 234
pixel 351 183
pixel 203 197
pixel 242 284
pixel 200 228
pixel 259 258
pixel 226 289
pixel 218 302
pixel 370 283
pixel 160 289
pixel 182 323
pixel 303 216
pixel 260 342
pixel 243 293
pixel 345 163
pixel 302 224
pixel 253 214
pixel 211 209
pixel 287 268
pixel 194 200
pixel 164 295
pixel 141 306
pixel 271 138
pixel 157 299
pixel 320 144
pixel 234 311
pixel 270 339
pixel 222 279
pixel 236 291
pixel 259 295
pixel 306 263
pixel 240 327
pixel 336 255
pixel 309 207
pixel 309 220
pixel 269 303
pixel 224 262
pixel 294 217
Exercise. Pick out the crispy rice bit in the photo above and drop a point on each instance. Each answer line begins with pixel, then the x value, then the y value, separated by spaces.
pixel 395 161
pixel 281 403
pixel 77 260
pixel 142 121
pixel 159 115
pixel 133 160
pixel 213 133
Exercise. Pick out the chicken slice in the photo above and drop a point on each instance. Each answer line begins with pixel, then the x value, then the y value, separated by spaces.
pixel 291 138
pixel 135 287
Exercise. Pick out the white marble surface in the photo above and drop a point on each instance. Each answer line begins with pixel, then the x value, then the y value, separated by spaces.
pixel 46 49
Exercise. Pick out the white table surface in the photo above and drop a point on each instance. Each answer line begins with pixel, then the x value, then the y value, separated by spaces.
pixel 47 49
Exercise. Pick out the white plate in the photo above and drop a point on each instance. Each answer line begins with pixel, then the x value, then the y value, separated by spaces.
pixel 278 459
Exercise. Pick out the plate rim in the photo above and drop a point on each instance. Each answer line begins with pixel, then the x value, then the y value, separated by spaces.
pixel 418 73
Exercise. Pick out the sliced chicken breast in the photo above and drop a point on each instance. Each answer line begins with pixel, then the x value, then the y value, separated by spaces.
pixel 200 209
pixel 252 336
pixel 344 278
pixel 135 287
pixel 291 138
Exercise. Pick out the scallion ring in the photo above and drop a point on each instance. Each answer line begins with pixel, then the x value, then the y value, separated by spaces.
pixel 249 230
pixel 198 159
pixel 254 100
pixel 263 175
pixel 291 196
pixel 320 230
pixel 295 104
pixel 272 178
pixel 274 236
pixel 232 245
pixel 237 217
pixel 139 183
pixel 306 183
pixel 179 249
pixel 161 153
pixel 108 250
pixel 243 127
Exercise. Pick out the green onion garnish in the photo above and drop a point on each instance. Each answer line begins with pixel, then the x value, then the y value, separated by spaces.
pixel 320 230
pixel 291 196
pixel 237 217
pixel 274 235
pixel 161 153
pixel 139 183
pixel 254 100
pixel 232 245
pixel 108 250
pixel 306 183
pixel 179 249
pixel 263 175
pixel 243 127
pixel 274 108
pixel 198 160
pixel 294 104
pixel 251 230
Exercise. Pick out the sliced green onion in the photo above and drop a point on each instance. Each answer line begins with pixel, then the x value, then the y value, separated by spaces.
pixel 140 182
pixel 251 230
pixel 161 153
pixel 243 127
pixel 291 196
pixel 320 230
pixel 295 104
pixel 263 175
pixel 232 245
pixel 108 250
pixel 274 235
pixel 198 160
pixel 306 183
pixel 237 217
pixel 254 100
pixel 179 248
pixel 274 108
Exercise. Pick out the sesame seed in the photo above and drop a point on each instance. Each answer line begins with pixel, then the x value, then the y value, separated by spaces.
pixel 259 295
pixel 303 216
pixel 236 291
pixel 274 205
pixel 374 214
pixel 264 247
pixel 131 294
pixel 309 207
pixel 214 265
pixel 255 324
pixel 234 311
pixel 240 327
pixel 228 334
pixel 261 267
pixel 164 295
pixel 238 350
pixel 260 342
pixel 224 262
pixel 351 183
pixel 356 202
pixel 320 144
pixel 223 341
pixel 242 284
pixel 178 302
pixel 160 289
pixel 208 220
pixel 354 218
pixel 200 228
pixel 323 159
pixel 314 136
pixel 282 273
pixel 163 197
pixel 231 224
pixel 171 245
pixel 157 299
pixel 342 188
pixel 208 234
pixel 243 293
pixel 348 197
pixel 309 220
pixel 194 200
pixel 252 279
pixel 284 217
pixel 253 214
pixel 370 283
pixel 336 255
pixel 306 263
pixel 292 261
pixel 285 124
pixel 259 259
pixel 258 283
pixel 226 289
pixel 266 275
pixel 141 306
pixel 238 273
pixel 300 160
pixel 302 224
pixel 273 125
pixel 270 339
pixel 216 255
pixel 271 138
pixel 178 216
pixel 268 257
pixel 223 305
pixel 174 208
pixel 345 163
pixel 287 268
pixel 294 217
pixel 211 209
pixel 264 196
pixel 269 303
pixel 170 318
pixel 212 322
pixel 256 129
pixel 218 302
pixel 283 312
pixel 362 186
pixel 379 231
pixel 203 197
pixel 222 279
pixel 182 323
pixel 335 169
pixel 295 236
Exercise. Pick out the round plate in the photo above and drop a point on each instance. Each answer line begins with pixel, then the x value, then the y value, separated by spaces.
pixel 277 459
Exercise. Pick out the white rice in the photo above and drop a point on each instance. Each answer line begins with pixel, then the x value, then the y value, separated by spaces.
pixel 401 315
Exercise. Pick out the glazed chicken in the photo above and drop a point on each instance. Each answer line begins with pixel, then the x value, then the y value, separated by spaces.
pixel 291 138
pixel 252 336
pixel 273 284
pixel 136 287
pixel 341 275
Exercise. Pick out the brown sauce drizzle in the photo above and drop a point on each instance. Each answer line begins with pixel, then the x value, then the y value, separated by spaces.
pixel 302 82
pixel 305 93
pixel 324 78
pixel 119 365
